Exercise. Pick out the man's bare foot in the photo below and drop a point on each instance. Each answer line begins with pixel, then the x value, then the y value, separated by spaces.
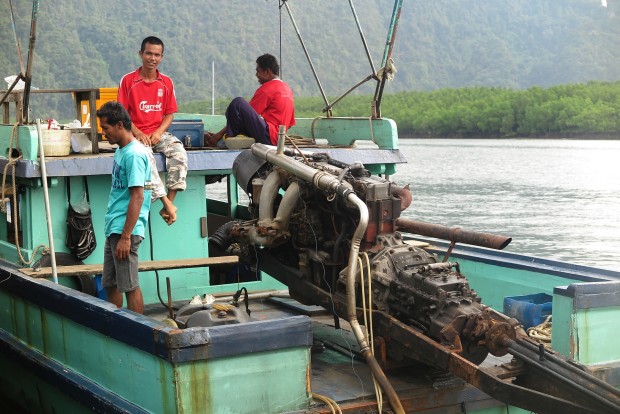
pixel 169 214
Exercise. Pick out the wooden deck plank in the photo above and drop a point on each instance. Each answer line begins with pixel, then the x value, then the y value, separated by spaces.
pixel 94 269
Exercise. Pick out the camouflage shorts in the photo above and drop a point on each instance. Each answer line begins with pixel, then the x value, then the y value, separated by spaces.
pixel 176 165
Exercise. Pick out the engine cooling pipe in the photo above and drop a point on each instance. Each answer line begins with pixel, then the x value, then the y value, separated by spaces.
pixel 453 234
pixel 268 196
pixel 287 206
pixel 265 211
pixel 327 182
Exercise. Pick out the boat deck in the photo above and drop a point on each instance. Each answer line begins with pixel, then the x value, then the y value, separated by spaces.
pixel 340 373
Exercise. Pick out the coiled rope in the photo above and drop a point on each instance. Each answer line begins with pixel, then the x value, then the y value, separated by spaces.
pixel 542 332
pixel 4 200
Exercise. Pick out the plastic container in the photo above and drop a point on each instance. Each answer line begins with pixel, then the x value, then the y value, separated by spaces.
pixel 101 292
pixel 530 310
pixel 189 131
pixel 105 95
pixel 56 142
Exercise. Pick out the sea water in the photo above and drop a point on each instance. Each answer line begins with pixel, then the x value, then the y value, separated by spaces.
pixel 557 199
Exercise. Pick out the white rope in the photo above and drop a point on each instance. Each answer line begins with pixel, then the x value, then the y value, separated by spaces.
pixel 542 332
pixel 388 70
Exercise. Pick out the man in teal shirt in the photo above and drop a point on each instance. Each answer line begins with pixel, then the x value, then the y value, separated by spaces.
pixel 128 208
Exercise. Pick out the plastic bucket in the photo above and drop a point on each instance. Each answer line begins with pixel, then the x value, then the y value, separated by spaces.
pixel 56 142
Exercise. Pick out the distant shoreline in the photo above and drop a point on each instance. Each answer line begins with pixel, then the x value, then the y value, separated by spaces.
pixel 584 137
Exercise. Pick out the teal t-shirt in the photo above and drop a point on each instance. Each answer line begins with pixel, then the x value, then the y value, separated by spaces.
pixel 131 169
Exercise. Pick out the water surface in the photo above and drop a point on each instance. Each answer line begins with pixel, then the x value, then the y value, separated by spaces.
pixel 558 199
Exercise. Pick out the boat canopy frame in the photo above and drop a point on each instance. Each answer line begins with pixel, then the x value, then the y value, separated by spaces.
pixel 386 71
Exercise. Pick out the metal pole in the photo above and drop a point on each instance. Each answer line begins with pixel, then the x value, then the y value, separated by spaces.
pixel 453 234
pixel 281 139
pixel 46 198
pixel 359 28
pixel 387 54
pixel 212 87
pixel 7 93
pixel 303 45
pixel 28 76
pixel 19 49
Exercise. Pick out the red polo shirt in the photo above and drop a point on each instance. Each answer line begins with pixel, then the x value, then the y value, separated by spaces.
pixel 273 100
pixel 147 102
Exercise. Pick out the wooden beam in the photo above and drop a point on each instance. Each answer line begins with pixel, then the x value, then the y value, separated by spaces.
pixel 95 269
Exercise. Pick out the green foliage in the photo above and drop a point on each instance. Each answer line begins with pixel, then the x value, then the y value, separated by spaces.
pixel 441 44
pixel 584 110
pixel 591 109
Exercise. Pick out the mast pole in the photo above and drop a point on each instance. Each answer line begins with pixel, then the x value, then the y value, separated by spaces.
pixel 28 75
pixel 387 54
pixel 212 87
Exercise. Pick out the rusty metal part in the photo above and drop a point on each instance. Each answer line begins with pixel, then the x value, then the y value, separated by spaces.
pixel 403 194
pixel 425 310
pixel 497 336
pixel 446 256
pixel 454 234
pixel 521 383
pixel 563 377
pixel 495 381
pixel 169 292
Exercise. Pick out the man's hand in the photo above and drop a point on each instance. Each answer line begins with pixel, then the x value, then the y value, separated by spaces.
pixel 211 138
pixel 155 138
pixel 143 138
pixel 122 247
pixel 168 216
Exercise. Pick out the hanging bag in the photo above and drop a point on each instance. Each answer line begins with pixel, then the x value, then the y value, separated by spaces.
pixel 80 238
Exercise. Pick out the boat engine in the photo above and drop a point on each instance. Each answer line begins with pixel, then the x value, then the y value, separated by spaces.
pixel 330 232
pixel 311 227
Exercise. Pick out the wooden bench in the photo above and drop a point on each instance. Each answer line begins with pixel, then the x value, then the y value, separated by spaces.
pixel 95 269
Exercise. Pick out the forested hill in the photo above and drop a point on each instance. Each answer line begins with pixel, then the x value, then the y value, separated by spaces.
pixel 440 43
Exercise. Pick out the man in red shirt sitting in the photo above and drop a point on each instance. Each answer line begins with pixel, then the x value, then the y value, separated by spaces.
pixel 272 105
pixel 148 95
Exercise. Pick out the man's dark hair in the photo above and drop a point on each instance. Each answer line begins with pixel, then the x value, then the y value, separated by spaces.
pixel 268 61
pixel 114 113
pixel 153 41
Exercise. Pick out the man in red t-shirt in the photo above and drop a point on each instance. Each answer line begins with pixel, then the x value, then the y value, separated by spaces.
pixel 149 98
pixel 272 105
